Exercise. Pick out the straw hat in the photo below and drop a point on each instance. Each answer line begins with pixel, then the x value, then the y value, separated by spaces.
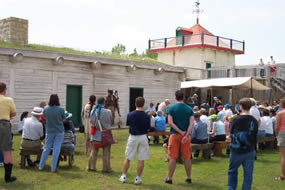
pixel 37 111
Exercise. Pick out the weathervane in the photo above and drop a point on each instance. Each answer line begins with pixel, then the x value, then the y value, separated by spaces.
pixel 197 10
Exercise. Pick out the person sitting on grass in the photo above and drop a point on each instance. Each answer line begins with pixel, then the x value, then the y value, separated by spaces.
pixel 199 133
pixel 32 133
pixel 218 131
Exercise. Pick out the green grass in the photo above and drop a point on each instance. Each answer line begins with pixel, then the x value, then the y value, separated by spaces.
pixel 77 52
pixel 206 174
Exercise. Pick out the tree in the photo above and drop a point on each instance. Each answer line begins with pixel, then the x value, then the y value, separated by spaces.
pixel 135 53
pixel 119 49
pixel 150 54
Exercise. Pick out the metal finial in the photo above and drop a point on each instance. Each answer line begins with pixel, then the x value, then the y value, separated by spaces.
pixel 197 10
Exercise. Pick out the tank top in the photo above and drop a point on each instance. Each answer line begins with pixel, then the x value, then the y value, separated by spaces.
pixel 282 120
pixel 220 128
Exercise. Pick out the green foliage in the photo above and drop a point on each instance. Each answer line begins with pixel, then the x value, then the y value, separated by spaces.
pixel 151 55
pixel 75 51
pixel 119 49
pixel 206 174
pixel 134 54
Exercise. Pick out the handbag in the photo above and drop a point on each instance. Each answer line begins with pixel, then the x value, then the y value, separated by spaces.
pixel 107 136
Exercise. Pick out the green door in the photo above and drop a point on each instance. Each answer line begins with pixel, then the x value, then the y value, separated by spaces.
pixel 208 67
pixel 74 102
pixel 134 93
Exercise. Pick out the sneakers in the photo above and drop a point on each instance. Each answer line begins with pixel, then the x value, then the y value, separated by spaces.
pixel 168 181
pixel 188 180
pixel 123 178
pixel 137 180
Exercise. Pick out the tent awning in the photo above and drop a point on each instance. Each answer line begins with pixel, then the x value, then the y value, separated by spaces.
pixel 237 82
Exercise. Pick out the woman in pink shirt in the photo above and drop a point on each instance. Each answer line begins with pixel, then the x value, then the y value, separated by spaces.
pixel 280 132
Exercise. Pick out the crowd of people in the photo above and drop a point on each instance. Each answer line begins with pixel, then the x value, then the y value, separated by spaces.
pixel 189 123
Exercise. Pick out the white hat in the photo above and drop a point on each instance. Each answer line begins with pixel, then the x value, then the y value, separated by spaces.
pixel 37 111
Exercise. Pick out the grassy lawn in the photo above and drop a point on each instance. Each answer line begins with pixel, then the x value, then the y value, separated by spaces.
pixel 68 50
pixel 207 174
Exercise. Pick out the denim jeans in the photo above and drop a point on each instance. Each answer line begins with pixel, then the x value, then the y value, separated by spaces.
pixel 52 141
pixel 261 133
pixel 1 157
pixel 247 162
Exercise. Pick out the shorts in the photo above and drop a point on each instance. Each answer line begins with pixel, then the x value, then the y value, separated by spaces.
pixel 281 138
pixel 175 145
pixel 137 144
pixel 5 136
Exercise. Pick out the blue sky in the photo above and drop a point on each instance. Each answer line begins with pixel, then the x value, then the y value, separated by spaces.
pixel 101 24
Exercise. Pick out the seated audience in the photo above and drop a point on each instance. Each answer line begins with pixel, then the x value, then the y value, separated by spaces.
pixel 218 131
pixel 204 118
pixel 151 109
pixel 199 133
pixel 68 139
pixel 33 132
pixel 211 112
pixel 228 111
pixel 160 122
pixel 205 106
pixel 24 115
pixel 266 128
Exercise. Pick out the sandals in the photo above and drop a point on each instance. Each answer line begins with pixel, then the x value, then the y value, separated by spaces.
pixel 280 178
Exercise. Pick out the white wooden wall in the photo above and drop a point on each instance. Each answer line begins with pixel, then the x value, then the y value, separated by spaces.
pixel 34 79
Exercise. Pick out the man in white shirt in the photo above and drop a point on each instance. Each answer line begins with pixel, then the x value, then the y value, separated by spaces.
pixel 163 106
pixel 32 132
pixel 228 111
pixel 204 118
pixel 254 111
pixel 151 109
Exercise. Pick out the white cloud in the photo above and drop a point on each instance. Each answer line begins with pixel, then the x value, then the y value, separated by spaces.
pixel 131 37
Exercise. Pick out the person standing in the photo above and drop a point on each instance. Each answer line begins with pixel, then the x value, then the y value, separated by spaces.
pixel 104 116
pixel 243 129
pixel 7 112
pixel 139 123
pixel 181 120
pixel 261 64
pixel 112 104
pixel 85 115
pixel 272 65
pixel 163 106
pixel 54 115
pixel 280 132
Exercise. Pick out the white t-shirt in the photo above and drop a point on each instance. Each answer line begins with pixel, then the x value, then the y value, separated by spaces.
pixel 266 124
pixel 254 112
pixel 206 120
pixel 228 112
pixel 32 129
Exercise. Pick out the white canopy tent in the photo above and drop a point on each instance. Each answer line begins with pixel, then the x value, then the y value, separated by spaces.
pixel 237 82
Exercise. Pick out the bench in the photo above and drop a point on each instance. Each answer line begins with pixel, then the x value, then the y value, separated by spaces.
pixel 206 148
pixel 219 145
pixel 66 153
pixel 271 140
pixel 158 133
pixel 25 153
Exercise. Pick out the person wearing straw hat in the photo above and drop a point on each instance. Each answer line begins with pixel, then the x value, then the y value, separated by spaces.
pixel 33 132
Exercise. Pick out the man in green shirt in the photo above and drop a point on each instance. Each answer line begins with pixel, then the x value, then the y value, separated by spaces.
pixel 181 120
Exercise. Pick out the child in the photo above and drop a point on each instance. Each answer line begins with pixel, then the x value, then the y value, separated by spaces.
pixel 68 136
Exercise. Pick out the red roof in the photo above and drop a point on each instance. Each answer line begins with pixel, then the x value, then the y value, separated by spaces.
pixel 196 29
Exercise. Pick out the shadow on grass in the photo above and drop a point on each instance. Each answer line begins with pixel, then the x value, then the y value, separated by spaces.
pixel 15 185
pixel 194 185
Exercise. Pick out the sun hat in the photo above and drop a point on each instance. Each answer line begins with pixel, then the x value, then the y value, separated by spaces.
pixel 37 111
pixel 214 116
pixel 67 115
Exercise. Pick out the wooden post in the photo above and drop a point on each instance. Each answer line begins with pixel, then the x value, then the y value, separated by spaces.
pixel 251 91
